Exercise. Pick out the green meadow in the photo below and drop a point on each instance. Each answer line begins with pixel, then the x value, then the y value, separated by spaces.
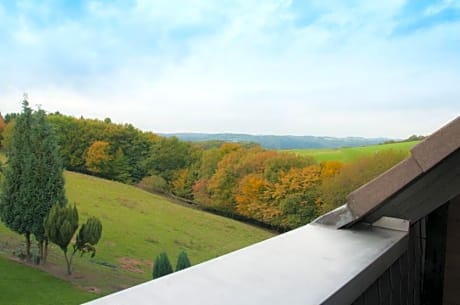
pixel 349 154
pixel 137 226
pixel 24 285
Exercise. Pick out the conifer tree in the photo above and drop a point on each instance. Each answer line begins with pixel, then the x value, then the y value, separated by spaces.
pixel 60 226
pixel 33 180
pixel 182 261
pixel 162 266
pixel 16 202
pixel 88 236
pixel 48 180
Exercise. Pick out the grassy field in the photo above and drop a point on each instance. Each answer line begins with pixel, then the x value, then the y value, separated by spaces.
pixel 137 226
pixel 24 285
pixel 349 154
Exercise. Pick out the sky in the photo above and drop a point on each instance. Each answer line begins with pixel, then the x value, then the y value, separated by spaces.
pixel 320 67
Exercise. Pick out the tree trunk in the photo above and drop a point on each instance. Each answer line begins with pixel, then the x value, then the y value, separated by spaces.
pixel 28 256
pixel 45 252
pixel 69 263
pixel 40 250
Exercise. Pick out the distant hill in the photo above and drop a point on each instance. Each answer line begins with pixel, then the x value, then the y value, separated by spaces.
pixel 280 142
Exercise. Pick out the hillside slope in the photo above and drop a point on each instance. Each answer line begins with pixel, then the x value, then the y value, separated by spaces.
pixel 137 226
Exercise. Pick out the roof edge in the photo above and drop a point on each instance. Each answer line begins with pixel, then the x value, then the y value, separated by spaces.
pixel 372 195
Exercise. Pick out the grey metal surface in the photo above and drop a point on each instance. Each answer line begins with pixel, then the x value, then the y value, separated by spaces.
pixel 314 264
pixel 392 223
pixel 337 218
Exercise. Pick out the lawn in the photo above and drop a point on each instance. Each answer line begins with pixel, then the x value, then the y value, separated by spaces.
pixel 348 154
pixel 137 226
pixel 25 285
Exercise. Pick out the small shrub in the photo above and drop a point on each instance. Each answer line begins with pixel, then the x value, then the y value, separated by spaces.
pixel 182 261
pixel 161 266
pixel 153 184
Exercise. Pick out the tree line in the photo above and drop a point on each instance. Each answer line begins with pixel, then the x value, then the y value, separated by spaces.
pixel 278 189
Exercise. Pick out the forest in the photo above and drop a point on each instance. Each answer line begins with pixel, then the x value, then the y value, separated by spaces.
pixel 279 190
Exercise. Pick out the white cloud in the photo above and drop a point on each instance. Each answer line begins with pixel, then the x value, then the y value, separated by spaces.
pixel 241 67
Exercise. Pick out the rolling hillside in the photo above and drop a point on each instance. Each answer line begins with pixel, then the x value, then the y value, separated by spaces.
pixel 137 226
pixel 349 154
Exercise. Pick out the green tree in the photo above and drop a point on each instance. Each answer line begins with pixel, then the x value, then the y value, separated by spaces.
pixel 168 155
pixel 182 261
pixel 162 266
pixel 88 236
pixel 33 179
pixel 120 167
pixel 47 178
pixel 16 204
pixel 60 226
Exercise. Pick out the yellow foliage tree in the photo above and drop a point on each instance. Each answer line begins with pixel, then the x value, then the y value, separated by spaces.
pixel 98 158
pixel 297 180
pixel 179 182
pixel 252 199
pixel 330 168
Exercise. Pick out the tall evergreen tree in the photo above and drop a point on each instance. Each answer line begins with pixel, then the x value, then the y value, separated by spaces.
pixel 16 204
pixel 48 180
pixel 33 180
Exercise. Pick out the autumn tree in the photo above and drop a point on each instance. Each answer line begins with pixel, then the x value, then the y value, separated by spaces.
pixel 297 193
pixel 254 201
pixel 98 159
pixel 208 164
pixel 129 147
pixel 224 183
pixel 283 162
pixel 7 135
pixel 330 169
